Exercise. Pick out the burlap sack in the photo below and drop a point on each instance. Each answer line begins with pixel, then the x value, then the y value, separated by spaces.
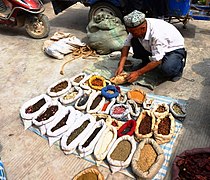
pixel 161 139
pixel 139 136
pixel 93 170
pixel 106 33
pixel 153 170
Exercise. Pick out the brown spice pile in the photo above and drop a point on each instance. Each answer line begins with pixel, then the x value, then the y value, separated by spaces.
pixel 161 109
pixel 36 106
pixel 147 158
pixel 164 126
pixel 122 151
pixel 79 78
pixel 96 102
pixel 61 123
pixel 50 111
pixel 59 87
pixel 145 125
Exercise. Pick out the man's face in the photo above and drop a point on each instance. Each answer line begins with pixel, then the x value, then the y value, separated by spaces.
pixel 139 31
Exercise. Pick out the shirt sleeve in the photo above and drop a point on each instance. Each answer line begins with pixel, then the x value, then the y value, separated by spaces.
pixel 128 40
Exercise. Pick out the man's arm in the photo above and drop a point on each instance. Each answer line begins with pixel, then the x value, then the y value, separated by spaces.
pixel 133 76
pixel 123 58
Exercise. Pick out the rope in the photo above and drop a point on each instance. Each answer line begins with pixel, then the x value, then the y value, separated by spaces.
pixel 79 52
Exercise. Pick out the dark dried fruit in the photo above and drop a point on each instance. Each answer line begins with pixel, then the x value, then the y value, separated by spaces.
pixel 35 107
pixel 48 113
pixel 145 125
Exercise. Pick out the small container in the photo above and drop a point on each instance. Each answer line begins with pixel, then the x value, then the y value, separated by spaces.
pixel 178 110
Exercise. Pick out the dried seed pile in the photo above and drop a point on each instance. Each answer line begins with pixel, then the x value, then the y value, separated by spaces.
pixel 164 126
pixel 147 158
pixel 122 151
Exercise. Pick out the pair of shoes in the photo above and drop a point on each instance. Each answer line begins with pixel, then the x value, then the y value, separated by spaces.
pixel 176 78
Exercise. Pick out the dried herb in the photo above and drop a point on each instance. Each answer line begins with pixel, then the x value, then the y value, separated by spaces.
pixel 77 131
pixel 88 176
pixel 92 136
pixel 121 151
pixel 96 102
pixel 83 100
pixel 177 109
pixel 59 87
pixel 79 78
pixel 195 167
pixel 48 113
pixel 164 126
pixel 61 123
pixel 145 125
pixel 147 158
pixel 35 107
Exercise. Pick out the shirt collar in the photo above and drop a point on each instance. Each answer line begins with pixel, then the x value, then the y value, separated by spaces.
pixel 148 31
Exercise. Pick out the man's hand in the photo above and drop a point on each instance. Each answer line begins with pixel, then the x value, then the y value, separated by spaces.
pixel 118 71
pixel 133 76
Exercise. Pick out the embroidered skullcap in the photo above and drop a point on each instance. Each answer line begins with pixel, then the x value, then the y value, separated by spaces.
pixel 134 19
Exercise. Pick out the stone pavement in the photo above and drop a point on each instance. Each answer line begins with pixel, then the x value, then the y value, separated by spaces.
pixel 25 72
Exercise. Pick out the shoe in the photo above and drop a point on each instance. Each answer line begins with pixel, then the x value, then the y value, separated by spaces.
pixel 176 78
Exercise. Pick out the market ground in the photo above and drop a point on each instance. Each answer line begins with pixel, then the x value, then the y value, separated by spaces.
pixel 25 72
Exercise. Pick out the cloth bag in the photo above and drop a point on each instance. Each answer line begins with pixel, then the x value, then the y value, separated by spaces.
pixel 106 33
pixel 27 117
pixel 104 144
pixel 153 170
pixel 116 165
